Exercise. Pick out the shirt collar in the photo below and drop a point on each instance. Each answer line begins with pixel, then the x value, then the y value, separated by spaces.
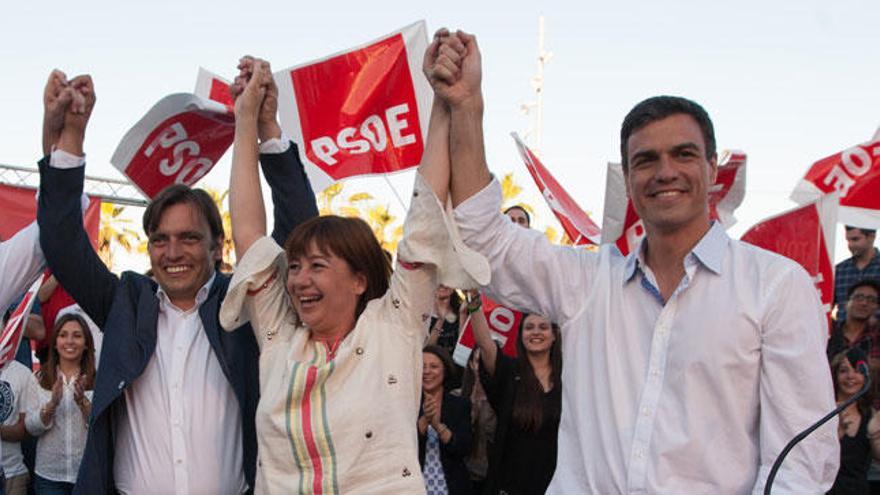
pixel 201 295
pixel 709 252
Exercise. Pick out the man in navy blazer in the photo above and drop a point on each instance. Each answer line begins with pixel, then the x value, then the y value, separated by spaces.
pixel 175 396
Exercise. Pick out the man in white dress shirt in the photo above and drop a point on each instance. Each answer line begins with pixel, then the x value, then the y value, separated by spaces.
pixel 690 363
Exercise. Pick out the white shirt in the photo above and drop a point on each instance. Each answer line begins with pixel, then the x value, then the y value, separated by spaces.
pixel 695 396
pixel 181 432
pixel 21 262
pixel 62 441
pixel 16 396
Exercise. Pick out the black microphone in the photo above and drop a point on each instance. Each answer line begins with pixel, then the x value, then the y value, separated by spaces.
pixel 862 366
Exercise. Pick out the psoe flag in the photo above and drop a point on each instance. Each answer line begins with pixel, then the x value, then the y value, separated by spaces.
pixel 622 226
pixel 177 142
pixel 503 323
pixel 579 227
pixel 806 235
pixel 360 112
pixel 213 87
pixel 14 328
pixel 855 174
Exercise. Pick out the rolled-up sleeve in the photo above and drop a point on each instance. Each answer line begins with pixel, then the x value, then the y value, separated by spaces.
pixel 796 389
pixel 257 294
pixel 528 272
pixel 429 254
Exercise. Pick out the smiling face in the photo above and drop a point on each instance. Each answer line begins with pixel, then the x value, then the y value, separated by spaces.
pixel 182 253
pixel 862 303
pixel 849 380
pixel 433 372
pixel 325 291
pixel 668 175
pixel 537 334
pixel 70 341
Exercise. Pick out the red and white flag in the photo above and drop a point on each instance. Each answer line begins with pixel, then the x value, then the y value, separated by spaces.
pixel 360 112
pixel 577 224
pixel 14 328
pixel 177 142
pixel 806 235
pixel 213 87
pixel 19 207
pixel 855 174
pixel 623 227
pixel 503 323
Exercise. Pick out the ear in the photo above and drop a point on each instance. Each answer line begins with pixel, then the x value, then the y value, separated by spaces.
pixel 360 284
pixel 713 169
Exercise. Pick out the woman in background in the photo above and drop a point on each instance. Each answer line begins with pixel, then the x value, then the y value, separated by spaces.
pixel 525 393
pixel 858 427
pixel 444 427
pixel 63 398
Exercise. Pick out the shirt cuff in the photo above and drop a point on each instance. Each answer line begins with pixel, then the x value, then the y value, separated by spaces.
pixel 487 199
pixel 275 146
pixel 63 159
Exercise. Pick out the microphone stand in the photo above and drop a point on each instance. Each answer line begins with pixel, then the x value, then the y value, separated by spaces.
pixel 863 368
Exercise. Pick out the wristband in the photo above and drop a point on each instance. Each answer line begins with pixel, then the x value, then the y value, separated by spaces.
pixel 473 308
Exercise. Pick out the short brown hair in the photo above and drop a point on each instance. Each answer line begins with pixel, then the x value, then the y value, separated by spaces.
pixel 350 239
pixel 183 194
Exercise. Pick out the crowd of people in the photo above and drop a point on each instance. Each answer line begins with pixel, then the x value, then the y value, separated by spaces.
pixel 318 367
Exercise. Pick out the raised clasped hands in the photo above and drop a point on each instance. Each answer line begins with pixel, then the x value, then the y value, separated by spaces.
pixel 68 105
pixel 262 100
pixel 453 67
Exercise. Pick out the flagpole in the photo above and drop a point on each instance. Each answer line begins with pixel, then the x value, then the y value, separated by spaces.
pixel 396 195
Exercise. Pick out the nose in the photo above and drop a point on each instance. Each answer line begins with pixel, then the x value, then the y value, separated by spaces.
pixel 666 170
pixel 173 249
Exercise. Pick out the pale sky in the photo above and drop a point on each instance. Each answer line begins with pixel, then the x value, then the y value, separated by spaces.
pixel 787 82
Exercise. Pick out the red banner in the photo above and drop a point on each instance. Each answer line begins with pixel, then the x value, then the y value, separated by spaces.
pixel 213 87
pixel 19 207
pixel 503 322
pixel 177 142
pixel 623 227
pixel 14 328
pixel 361 112
pixel 855 174
pixel 577 224
pixel 806 235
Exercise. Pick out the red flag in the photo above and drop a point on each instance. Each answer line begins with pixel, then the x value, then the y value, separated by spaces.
pixel 363 111
pixel 855 174
pixel 577 224
pixel 19 207
pixel 504 324
pixel 14 329
pixel 806 235
pixel 213 87
pixel 623 227
pixel 177 142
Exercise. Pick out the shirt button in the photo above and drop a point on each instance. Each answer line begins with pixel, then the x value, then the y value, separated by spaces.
pixel 655 372
pixel 406 472
pixel 640 454
pixel 646 411
pixel 359 351
pixel 368 434
pixel 395 303
pixel 392 379
pixel 179 461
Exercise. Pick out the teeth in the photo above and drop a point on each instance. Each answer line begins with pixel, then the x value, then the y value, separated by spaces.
pixel 309 299
pixel 668 193
pixel 176 269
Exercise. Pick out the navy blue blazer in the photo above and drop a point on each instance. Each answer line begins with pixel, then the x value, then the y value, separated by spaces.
pixel 127 309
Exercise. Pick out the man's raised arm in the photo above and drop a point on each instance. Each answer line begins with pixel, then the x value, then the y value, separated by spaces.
pixel 68 106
